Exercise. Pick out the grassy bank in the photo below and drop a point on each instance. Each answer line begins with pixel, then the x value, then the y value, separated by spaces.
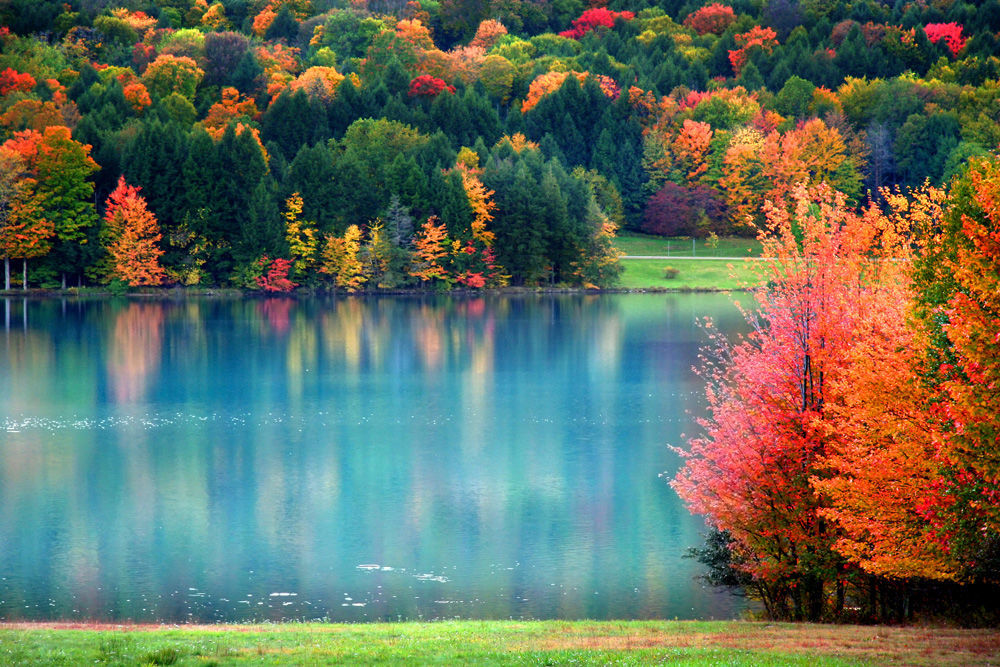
pixel 686 274
pixel 491 642
pixel 631 243
pixel 681 266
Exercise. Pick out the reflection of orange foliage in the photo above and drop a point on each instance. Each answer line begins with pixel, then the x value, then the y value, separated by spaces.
pixel 276 313
pixel 429 336
pixel 136 350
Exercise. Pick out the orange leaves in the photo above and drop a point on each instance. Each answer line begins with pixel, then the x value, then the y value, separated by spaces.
pixel 431 248
pixel 757 37
pixel 12 81
pixel 518 142
pixel 487 34
pixel 553 81
pixel 228 109
pixel 137 96
pixel 133 234
pixel 713 18
pixel 24 230
pixel 691 149
pixel 759 168
pixel 779 401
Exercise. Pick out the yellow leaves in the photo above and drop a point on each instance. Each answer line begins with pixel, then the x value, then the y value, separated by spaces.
pixel 318 83
pixel 341 259
pixel 300 236
pixel 553 81
pixel 518 142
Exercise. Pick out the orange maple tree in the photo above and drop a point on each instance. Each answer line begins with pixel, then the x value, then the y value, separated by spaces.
pixel 25 231
pixel 431 246
pixel 132 234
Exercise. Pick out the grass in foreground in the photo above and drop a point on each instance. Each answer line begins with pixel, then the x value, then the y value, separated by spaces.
pixel 692 274
pixel 498 643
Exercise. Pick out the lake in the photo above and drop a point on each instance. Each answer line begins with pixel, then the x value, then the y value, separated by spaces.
pixel 351 459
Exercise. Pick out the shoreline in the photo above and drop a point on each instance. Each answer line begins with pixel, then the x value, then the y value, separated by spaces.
pixel 181 293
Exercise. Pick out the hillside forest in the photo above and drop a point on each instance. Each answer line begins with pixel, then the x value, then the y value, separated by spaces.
pixel 383 144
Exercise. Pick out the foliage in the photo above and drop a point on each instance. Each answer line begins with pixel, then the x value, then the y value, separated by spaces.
pixel 713 18
pixel 835 290
pixel 131 234
pixel 595 18
pixel 950 33
pixel 428 86
pixel 274 275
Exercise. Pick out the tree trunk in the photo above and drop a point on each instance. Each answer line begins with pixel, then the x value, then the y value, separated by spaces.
pixel 24 273
pixel 6 273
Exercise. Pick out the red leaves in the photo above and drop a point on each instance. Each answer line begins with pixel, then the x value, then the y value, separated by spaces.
pixel 713 18
pixel 276 277
pixel 951 33
pixel 426 85
pixel 11 80
pixel 594 18
pixel 757 37
pixel 836 293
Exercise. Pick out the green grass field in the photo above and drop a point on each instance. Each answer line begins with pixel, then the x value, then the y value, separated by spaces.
pixel 643 244
pixel 689 272
pixel 499 643
pixel 692 274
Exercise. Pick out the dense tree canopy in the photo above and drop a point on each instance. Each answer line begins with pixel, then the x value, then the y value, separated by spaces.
pixel 694 116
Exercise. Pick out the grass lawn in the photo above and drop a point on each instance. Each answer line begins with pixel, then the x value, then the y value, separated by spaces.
pixel 643 244
pixel 498 643
pixel 692 274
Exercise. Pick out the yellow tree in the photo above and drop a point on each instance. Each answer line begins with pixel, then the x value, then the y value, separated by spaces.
pixel 301 237
pixel 341 259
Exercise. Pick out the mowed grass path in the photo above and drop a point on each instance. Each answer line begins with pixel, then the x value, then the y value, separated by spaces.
pixel 694 272
pixel 499 643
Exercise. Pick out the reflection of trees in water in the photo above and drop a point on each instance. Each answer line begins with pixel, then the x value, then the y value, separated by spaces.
pixel 274 312
pixel 419 433
pixel 136 348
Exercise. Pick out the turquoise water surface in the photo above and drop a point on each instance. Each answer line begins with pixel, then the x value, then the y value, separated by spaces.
pixel 350 458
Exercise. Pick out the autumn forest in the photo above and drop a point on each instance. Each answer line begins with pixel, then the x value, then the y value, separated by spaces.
pixel 849 467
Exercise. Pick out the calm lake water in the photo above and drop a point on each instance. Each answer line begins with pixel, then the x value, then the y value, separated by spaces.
pixel 350 459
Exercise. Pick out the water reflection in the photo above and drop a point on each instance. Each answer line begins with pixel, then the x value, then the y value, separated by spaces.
pixel 350 458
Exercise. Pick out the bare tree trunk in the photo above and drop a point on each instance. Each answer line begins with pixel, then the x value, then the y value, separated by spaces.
pixel 6 273
pixel 24 273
